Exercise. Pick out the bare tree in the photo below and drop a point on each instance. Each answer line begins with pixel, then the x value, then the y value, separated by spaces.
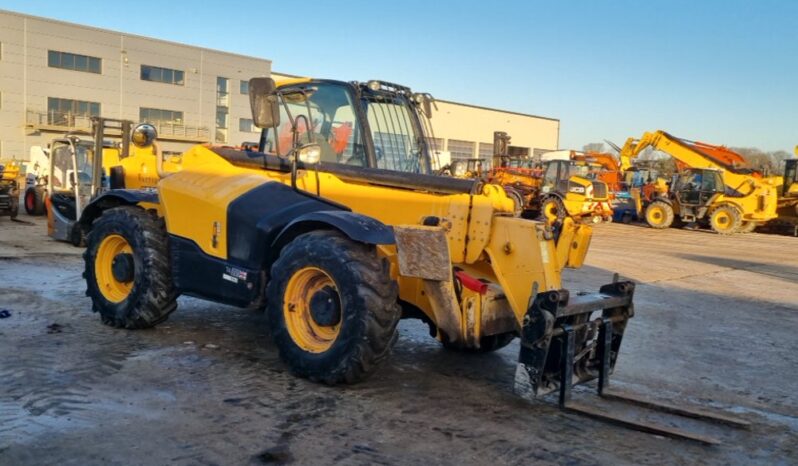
pixel 593 147
pixel 767 162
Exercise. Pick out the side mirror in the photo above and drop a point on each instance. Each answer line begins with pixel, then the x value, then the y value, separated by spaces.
pixel 265 108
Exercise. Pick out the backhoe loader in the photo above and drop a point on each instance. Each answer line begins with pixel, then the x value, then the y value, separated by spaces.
pixel 730 199
pixel 339 239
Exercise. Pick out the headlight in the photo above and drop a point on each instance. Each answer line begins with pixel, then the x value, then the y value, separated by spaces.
pixel 589 191
pixel 310 153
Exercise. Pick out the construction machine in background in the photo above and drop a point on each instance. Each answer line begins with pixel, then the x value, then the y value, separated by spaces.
pixel 706 190
pixel 788 195
pixel 465 168
pixel 554 189
pixel 36 169
pixel 9 189
pixel 80 169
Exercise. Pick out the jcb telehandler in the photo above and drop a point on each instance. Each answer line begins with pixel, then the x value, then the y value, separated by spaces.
pixel 728 198
pixel 340 233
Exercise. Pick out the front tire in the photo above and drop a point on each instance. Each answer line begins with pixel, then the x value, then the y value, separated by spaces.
pixel 333 308
pixel 748 227
pixel 659 215
pixel 725 220
pixel 552 210
pixel 128 277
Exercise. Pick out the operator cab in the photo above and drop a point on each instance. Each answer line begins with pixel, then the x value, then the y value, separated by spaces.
pixel 790 178
pixel 697 186
pixel 70 175
pixel 369 125
pixel 557 176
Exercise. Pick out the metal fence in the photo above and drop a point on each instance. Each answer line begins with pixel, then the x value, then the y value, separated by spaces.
pixel 71 121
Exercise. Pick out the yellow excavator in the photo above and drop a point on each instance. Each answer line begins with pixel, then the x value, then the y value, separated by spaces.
pixel 729 199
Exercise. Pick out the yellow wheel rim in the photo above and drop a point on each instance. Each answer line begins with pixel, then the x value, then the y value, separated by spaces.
pixel 550 211
pixel 723 220
pixel 303 328
pixel 656 216
pixel 112 289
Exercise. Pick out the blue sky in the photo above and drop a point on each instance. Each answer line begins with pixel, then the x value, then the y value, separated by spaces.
pixel 724 72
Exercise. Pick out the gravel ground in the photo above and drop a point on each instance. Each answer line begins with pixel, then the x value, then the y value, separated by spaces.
pixel 716 323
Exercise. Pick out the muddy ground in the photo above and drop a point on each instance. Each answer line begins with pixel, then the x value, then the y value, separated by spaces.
pixel 716 325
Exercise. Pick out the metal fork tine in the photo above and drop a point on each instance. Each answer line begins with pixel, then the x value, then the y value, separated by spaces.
pixel 634 424
pixel 692 412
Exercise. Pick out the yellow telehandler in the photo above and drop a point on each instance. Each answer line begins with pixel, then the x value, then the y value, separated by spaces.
pixel 729 199
pixel 337 227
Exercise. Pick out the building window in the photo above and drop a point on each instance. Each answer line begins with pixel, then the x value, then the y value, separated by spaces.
pixel 486 154
pixel 160 116
pixel 75 62
pixel 516 151
pixel 221 117
pixel 245 125
pixel 222 104
pixel 244 87
pixel 162 75
pixel 461 149
pixel 435 145
pixel 64 112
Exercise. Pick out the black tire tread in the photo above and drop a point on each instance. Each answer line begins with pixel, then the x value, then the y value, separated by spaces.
pixel 375 288
pixel 736 219
pixel 38 200
pixel 669 215
pixel 158 297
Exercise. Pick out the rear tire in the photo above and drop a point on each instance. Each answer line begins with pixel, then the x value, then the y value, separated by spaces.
pixel 146 295
pixel 347 344
pixel 659 215
pixel 487 344
pixel 725 220
pixel 34 201
pixel 14 208
pixel 748 227
pixel 552 210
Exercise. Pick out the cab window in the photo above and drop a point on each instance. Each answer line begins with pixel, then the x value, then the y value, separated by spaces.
pixel 396 142
pixel 322 114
